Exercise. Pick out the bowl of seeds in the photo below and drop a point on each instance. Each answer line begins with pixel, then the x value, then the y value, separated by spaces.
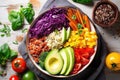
pixel 105 13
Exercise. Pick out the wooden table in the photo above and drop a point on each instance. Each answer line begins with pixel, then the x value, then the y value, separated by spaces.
pixel 110 35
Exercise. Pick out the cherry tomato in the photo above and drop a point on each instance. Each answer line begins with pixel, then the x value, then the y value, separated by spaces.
pixel 76 68
pixel 14 77
pixel 84 61
pixel 19 65
pixel 90 51
pixel 85 55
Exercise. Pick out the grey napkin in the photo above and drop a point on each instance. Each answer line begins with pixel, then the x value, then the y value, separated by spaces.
pixel 95 70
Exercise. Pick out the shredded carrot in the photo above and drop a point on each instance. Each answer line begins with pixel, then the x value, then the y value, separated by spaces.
pixel 72 22
pixel 80 17
pixel 87 22
pixel 73 26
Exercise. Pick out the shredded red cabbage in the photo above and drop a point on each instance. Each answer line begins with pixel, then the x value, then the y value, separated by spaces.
pixel 48 22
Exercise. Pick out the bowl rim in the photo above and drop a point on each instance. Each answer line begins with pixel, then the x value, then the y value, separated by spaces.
pixel 60 76
pixel 115 9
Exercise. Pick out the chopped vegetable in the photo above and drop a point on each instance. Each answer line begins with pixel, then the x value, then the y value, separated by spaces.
pixel 6 54
pixel 77 19
pixel 87 22
pixel 37 46
pixel 42 59
pixel 28 12
pixel 83 1
pixel 17 19
pixel 82 56
pixel 6 31
pixel 48 22
pixel 54 40
pixel 82 40
pixel 24 30
pixel 15 42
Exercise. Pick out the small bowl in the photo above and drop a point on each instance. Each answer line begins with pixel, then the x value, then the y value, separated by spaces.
pixel 105 13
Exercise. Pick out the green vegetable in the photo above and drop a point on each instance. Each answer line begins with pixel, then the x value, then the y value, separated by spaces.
pixel 6 54
pixel 0 23
pixel 13 54
pixel 28 12
pixel 24 30
pixel 74 17
pixel 3 73
pixel 29 75
pixel 15 42
pixel 5 30
pixel 83 1
pixel 42 59
pixel 17 19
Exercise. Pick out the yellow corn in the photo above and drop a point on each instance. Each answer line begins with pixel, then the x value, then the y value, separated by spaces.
pixel 85 39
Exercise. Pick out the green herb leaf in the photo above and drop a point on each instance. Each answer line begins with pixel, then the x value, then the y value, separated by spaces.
pixel 17 19
pixel 24 30
pixel 13 54
pixel 28 12
pixel 4 54
pixel 15 42
pixel 74 17
pixel 79 26
pixel 6 31
pixel 2 35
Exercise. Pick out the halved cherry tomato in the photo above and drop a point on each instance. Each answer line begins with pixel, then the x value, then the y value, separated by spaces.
pixel 82 56
pixel 90 51
pixel 14 77
pixel 76 68
pixel 85 55
pixel 84 61
pixel 19 65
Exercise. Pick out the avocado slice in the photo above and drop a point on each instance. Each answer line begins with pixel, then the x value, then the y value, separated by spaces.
pixel 68 33
pixel 66 61
pixel 70 52
pixel 64 34
pixel 53 62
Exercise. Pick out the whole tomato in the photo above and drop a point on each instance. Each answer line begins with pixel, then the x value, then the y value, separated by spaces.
pixel 14 77
pixel 19 65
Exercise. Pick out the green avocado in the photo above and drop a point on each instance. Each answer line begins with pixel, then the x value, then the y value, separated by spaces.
pixel 66 61
pixel 68 33
pixel 64 35
pixel 71 59
pixel 53 62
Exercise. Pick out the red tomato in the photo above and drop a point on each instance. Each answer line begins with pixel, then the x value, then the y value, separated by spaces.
pixel 77 57
pixel 76 68
pixel 14 77
pixel 85 55
pixel 84 61
pixel 90 51
pixel 19 65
